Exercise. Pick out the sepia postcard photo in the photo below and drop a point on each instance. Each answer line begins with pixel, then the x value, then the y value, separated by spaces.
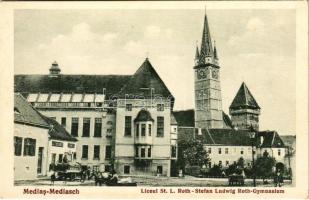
pixel 154 100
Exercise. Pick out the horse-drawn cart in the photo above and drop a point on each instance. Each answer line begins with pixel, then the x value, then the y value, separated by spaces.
pixel 69 172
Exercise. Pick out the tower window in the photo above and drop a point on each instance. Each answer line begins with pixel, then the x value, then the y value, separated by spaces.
pixel 219 150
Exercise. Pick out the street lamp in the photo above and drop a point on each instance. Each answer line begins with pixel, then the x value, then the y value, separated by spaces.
pixel 252 135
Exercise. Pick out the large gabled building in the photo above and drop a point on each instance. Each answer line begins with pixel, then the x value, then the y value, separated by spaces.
pixel 124 122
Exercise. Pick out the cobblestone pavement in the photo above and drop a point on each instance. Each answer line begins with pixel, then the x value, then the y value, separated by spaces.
pixel 158 182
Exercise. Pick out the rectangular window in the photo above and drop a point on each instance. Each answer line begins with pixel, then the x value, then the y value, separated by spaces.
pixel 108 152
pixel 126 169
pixel 174 151
pixel 137 130
pixel 98 127
pixel 85 152
pixel 209 164
pixel 53 159
pixel 279 152
pixel 209 150
pixel 220 163
pixel 96 152
pixel 57 144
pixel 60 158
pixel 159 169
pixel 18 142
pixel 128 107
pixel 109 132
pixel 226 150
pixel 74 127
pixel 29 147
pixel 241 151
pixel 149 129
pixel 128 126
pixel 143 152
pixel 71 145
pixel 160 126
pixel 136 151
pixel 219 151
pixel 63 121
pixel 227 163
pixel 160 107
pixel 149 152
pixel 86 127
pixel 143 132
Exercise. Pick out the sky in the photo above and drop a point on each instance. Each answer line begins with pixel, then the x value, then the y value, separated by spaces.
pixel 254 46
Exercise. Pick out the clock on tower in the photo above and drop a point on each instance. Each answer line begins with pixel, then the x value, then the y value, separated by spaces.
pixel 208 103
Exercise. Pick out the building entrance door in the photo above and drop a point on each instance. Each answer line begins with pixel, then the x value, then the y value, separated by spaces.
pixel 40 160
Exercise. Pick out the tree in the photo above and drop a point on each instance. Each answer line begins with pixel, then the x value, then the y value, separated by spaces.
pixel 193 153
pixel 264 165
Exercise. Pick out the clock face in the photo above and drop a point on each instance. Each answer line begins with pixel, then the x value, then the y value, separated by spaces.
pixel 215 74
pixel 201 74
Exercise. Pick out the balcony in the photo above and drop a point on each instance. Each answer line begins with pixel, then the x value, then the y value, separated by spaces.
pixel 143 140
pixel 173 136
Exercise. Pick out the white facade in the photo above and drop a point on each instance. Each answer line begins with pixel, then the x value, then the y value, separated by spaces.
pixel 227 155
pixel 126 145
pixel 27 167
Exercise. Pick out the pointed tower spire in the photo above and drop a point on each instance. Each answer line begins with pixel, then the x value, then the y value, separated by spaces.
pixel 206 45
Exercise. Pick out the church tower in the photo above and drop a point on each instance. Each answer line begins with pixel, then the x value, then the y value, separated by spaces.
pixel 208 103
pixel 244 110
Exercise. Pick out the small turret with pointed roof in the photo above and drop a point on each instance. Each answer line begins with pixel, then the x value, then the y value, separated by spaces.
pixel 215 51
pixel 216 59
pixel 197 56
pixel 244 109
pixel 54 70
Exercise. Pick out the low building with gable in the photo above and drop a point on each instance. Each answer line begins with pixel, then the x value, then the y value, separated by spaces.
pixel 34 139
